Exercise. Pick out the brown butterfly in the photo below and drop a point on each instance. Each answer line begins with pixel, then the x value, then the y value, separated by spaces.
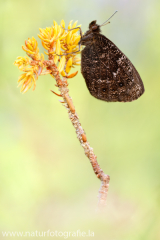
pixel 109 74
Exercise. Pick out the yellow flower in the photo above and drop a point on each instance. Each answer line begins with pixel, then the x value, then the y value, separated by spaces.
pixel 69 43
pixel 51 35
pixel 22 62
pixel 29 78
pixel 60 42
pixel 31 48
pixel 62 47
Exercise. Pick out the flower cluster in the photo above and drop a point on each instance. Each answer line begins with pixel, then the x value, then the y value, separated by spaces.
pixel 62 46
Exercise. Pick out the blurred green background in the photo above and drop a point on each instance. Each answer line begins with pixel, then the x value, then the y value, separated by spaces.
pixel 46 181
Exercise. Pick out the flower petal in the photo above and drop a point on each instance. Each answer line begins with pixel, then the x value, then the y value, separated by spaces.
pixel 72 75
pixel 62 64
pixel 69 65
pixel 63 23
pixel 58 47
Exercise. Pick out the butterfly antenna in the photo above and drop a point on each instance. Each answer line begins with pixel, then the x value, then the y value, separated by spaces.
pixel 108 19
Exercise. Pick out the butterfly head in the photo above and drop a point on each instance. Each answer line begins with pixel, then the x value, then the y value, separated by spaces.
pixel 88 37
pixel 93 27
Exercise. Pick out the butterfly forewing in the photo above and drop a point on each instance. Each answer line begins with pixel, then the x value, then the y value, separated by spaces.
pixel 109 74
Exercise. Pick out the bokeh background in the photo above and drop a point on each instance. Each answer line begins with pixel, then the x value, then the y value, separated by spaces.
pixel 46 181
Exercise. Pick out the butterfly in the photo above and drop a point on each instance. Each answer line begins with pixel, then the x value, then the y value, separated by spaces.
pixel 108 73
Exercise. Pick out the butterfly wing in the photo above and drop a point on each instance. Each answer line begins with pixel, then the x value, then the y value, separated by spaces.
pixel 109 74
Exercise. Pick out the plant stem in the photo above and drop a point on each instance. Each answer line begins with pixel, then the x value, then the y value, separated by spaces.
pixel 68 103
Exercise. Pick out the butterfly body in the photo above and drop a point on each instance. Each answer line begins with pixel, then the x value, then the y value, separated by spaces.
pixel 108 73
